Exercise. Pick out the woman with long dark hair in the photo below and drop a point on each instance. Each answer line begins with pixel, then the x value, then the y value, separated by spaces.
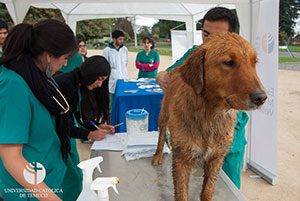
pixel 34 133
pixel 86 90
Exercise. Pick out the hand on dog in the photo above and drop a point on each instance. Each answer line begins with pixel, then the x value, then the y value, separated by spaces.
pixel 162 78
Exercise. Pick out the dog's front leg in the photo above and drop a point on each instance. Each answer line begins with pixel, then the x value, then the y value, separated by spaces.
pixel 211 171
pixel 182 165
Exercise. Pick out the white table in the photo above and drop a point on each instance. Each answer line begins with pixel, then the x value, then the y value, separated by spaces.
pixel 140 181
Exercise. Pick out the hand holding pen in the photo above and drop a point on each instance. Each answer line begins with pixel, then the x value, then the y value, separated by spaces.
pixel 101 132
pixel 110 127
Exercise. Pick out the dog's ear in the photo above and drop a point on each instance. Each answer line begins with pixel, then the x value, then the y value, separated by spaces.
pixel 192 70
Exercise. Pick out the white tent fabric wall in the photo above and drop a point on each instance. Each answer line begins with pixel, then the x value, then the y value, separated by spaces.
pixel 188 11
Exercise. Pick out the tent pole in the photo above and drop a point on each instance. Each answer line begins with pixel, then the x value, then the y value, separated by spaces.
pixel 134 30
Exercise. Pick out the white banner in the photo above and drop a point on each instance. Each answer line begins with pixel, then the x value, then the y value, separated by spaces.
pixel 179 43
pixel 263 140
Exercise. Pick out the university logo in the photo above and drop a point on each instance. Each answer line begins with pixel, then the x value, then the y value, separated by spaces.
pixel 267 43
pixel 34 173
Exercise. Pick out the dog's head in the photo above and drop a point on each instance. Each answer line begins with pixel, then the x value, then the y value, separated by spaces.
pixel 223 70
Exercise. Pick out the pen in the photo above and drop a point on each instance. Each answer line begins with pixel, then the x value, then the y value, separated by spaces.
pixel 118 125
pixel 93 124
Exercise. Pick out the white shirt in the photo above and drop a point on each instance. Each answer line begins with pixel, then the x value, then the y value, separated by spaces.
pixel 118 60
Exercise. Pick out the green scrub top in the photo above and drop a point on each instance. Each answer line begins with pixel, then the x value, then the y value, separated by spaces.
pixel 73 62
pixel 150 59
pixel 72 183
pixel 233 161
pixel 24 120
pixel 182 59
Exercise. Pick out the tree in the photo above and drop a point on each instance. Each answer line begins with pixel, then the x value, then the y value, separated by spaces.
pixel 92 29
pixel 288 13
pixel 4 15
pixel 155 30
pixel 35 15
pixel 125 25
pixel 164 26
pixel 144 31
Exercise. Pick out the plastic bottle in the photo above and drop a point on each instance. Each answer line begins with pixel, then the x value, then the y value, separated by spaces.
pixel 87 168
pixel 101 185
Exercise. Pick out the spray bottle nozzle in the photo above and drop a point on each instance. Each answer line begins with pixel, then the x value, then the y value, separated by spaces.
pixel 88 167
pixel 101 184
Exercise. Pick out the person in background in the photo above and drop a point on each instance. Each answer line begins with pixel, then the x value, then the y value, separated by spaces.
pixel 147 60
pixel 82 49
pixel 117 56
pixel 34 133
pixel 219 20
pixel 86 90
pixel 3 34
pixel 75 60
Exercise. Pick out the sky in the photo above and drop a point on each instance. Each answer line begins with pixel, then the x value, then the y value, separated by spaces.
pixel 297 27
pixel 145 21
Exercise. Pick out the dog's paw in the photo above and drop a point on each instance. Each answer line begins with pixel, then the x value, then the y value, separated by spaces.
pixel 157 160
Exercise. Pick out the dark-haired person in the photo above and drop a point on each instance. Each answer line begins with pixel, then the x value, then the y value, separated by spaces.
pixel 86 90
pixel 218 20
pixel 82 49
pixel 147 61
pixel 117 56
pixel 34 137
pixel 3 34
pixel 76 59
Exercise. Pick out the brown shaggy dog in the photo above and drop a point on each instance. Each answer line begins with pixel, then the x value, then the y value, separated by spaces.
pixel 200 105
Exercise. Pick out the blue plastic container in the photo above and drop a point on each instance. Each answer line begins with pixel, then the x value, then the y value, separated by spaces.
pixel 137 121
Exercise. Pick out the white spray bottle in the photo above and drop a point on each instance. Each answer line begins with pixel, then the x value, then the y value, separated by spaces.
pixel 101 185
pixel 87 168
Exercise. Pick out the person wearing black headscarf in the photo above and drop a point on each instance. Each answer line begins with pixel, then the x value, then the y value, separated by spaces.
pixel 86 90
pixel 34 131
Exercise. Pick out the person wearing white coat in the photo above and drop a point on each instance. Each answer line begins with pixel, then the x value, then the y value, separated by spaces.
pixel 117 56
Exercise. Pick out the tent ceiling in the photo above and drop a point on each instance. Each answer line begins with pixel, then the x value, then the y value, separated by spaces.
pixel 188 11
pixel 175 11
pixel 180 10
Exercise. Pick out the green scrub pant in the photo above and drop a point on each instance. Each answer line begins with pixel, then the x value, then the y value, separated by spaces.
pixel 233 161
pixel 232 166
pixel 111 98
pixel 72 184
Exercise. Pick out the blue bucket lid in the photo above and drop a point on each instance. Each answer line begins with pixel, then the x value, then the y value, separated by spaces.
pixel 136 114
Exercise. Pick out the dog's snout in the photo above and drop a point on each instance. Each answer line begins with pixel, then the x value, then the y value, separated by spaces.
pixel 258 97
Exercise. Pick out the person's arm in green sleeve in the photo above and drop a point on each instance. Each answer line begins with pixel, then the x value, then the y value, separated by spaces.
pixel 163 77
pixel 16 168
pixel 182 59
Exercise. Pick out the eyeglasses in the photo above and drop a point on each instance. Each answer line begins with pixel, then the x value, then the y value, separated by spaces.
pixel 81 46
pixel 66 102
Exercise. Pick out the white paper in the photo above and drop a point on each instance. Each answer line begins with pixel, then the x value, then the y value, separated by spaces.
pixel 138 153
pixel 149 138
pixel 142 145
pixel 114 142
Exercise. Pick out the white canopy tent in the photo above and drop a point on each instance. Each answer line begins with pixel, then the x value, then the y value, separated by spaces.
pixel 190 11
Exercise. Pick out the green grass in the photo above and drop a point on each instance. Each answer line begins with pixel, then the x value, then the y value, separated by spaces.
pixel 160 52
pixel 160 46
pixel 294 48
pixel 288 59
